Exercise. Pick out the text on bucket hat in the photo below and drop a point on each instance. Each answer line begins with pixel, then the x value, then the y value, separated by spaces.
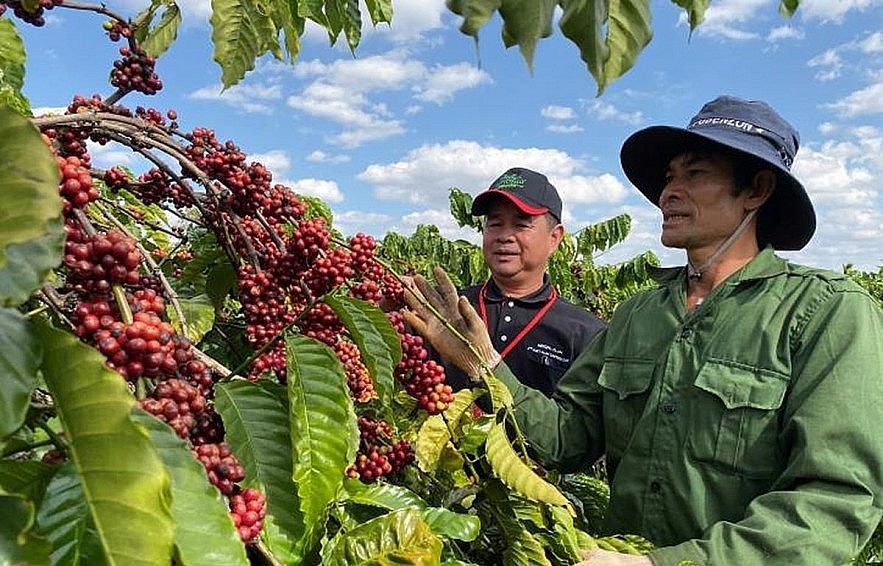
pixel 787 220
pixel 528 190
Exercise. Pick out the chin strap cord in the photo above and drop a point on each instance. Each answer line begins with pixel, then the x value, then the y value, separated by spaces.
pixel 696 272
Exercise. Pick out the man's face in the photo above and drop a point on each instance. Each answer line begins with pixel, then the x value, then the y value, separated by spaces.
pixel 698 207
pixel 516 245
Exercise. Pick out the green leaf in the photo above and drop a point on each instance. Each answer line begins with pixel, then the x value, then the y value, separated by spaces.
pixel 582 22
pixel 163 35
pixel 12 68
pixel 125 484
pixel 28 478
pixel 31 229
pixel 400 537
pixel 20 356
pixel 628 33
pixel 351 18
pixel 452 525
pixel 460 204
pixel 696 10
pixel 515 473
pixel 199 317
pixel 204 530
pixel 435 432
pixel 219 282
pixel 255 418
pixel 603 235
pixel 788 7
pixel 381 494
pixel 380 10
pixel 377 339
pixel 525 22
pixel 236 26
pixel 475 13
pixel 141 22
pixel 65 520
pixel 324 435
pixel 18 543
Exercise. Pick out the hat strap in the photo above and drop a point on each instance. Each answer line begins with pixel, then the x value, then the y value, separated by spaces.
pixel 696 272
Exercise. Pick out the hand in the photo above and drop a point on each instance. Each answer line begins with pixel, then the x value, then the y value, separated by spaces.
pixel 607 558
pixel 459 314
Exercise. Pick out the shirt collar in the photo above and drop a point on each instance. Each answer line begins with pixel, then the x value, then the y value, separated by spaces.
pixel 541 295
pixel 765 264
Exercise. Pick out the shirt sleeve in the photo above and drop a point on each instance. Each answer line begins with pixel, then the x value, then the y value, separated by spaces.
pixel 826 503
pixel 564 432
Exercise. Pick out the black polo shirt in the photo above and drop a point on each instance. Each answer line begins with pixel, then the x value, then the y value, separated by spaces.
pixel 545 352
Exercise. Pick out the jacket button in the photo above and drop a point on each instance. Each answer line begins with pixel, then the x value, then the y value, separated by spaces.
pixel 686 333
pixel 669 408
pixel 655 486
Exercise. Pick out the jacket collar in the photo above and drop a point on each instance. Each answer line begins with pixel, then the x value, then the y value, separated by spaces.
pixel 764 265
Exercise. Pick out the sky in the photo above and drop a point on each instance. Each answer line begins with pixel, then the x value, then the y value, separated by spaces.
pixel 383 134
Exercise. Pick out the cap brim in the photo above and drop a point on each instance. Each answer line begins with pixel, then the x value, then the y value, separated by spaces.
pixel 787 221
pixel 482 203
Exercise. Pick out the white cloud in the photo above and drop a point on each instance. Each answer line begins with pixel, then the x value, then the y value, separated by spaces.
pixel 441 219
pixel 47 110
pixel 873 43
pixel 276 161
pixel 248 98
pixel 833 10
pixel 112 154
pixel 319 156
pixel 868 100
pixel 554 112
pixel 784 32
pixel 352 222
pixel 564 129
pixel 827 128
pixel 442 82
pixel 341 92
pixel 830 64
pixel 723 18
pixel 603 110
pixel 325 190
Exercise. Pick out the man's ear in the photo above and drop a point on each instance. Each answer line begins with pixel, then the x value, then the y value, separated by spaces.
pixel 557 235
pixel 762 186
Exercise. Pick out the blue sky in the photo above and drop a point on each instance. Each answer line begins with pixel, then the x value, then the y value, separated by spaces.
pixel 382 136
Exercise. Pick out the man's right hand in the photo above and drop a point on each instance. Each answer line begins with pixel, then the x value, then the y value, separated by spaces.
pixel 423 298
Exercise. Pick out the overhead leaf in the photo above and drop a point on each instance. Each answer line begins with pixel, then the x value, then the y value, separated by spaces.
pixel 31 229
pixel 142 21
pixel 163 35
pixel 18 543
pixel 582 21
pixel 788 7
pixel 380 10
pixel 204 530
pixel 324 435
pixel 475 13
pixel 20 356
pixel 352 21
pixel 65 520
pixel 255 418
pixel 602 235
pixel 28 478
pixel 399 537
pixel 236 26
pixel 285 18
pixel 525 22
pixel 628 33
pixel 460 204
pixel 435 432
pixel 12 68
pixel 199 317
pixel 378 341
pixel 512 470
pixel 125 484
pixel 696 10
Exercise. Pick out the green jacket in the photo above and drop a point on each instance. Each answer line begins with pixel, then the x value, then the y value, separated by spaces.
pixel 748 432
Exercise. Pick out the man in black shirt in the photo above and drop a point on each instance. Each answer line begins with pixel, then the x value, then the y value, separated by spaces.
pixel 536 332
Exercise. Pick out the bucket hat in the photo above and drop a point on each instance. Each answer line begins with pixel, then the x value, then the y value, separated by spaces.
pixel 528 190
pixel 787 220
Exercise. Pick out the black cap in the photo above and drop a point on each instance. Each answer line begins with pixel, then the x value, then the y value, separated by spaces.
pixel 530 191
pixel 751 127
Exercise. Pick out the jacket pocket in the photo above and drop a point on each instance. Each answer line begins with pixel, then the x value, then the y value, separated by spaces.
pixel 734 423
pixel 626 385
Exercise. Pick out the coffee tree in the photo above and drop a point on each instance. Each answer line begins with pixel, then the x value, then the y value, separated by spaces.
pixel 197 368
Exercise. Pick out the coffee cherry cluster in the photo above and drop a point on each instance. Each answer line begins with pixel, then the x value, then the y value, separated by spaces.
pixel 142 348
pixel 222 467
pixel 177 403
pixel 76 186
pixel 116 29
pixel 34 18
pixel 101 261
pixel 248 509
pixel 424 379
pixel 135 72
pixel 379 454
pixel 357 377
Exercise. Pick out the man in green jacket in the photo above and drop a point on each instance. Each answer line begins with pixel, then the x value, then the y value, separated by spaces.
pixel 740 403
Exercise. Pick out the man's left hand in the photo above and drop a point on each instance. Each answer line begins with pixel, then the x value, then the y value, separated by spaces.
pixel 607 558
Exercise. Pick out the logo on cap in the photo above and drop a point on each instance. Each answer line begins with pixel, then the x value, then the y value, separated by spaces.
pixel 510 181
